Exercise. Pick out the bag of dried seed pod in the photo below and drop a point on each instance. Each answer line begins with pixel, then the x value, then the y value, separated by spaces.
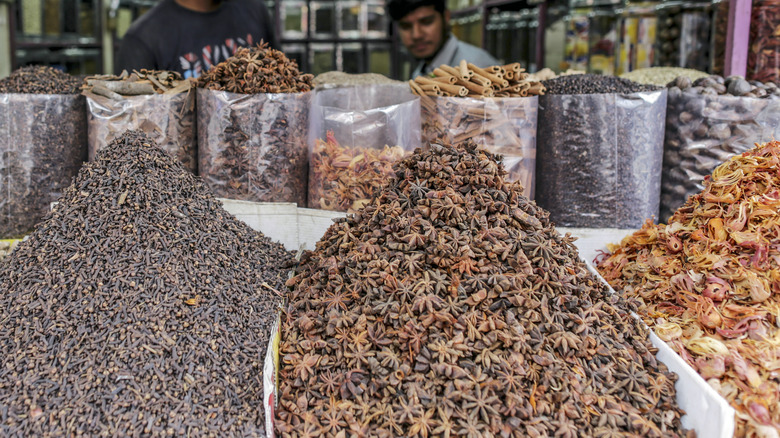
pixel 253 147
pixel 166 116
pixel 357 134
pixel 501 125
pixel 764 54
pixel 599 158
pixel 43 143
pixel 704 130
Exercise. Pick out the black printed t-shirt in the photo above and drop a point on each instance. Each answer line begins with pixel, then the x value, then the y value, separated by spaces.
pixel 172 37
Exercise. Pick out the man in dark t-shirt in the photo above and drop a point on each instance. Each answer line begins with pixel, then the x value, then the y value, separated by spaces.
pixel 190 36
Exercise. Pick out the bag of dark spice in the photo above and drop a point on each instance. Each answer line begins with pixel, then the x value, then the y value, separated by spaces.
pixel 707 122
pixel 253 123
pixel 600 151
pixel 159 103
pixel 764 50
pixel 357 134
pixel 43 143
pixel 496 107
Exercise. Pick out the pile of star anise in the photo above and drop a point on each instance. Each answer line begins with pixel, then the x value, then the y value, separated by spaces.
pixel 450 305
pixel 257 70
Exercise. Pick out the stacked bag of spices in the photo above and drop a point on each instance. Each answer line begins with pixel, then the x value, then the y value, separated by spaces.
pixel 600 151
pixel 159 103
pixel 358 133
pixel 494 106
pixel 43 138
pixel 708 283
pixel 707 121
pixel 253 122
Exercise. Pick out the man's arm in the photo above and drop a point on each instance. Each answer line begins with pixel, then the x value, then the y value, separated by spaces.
pixel 134 54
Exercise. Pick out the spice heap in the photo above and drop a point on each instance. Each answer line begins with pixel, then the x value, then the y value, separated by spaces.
pixel 763 62
pixel 708 121
pixel 138 307
pixel 547 73
pixel 709 283
pixel 140 82
pixel 256 70
pixel 169 119
pixel 661 76
pixel 449 305
pixel 468 80
pixel 344 178
pixel 39 80
pixel 593 84
pixel 340 79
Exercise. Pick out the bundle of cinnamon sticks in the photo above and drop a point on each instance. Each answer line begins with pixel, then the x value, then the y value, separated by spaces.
pixel 468 80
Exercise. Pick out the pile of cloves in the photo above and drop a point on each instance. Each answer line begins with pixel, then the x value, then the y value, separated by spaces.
pixel 138 307
pixel 450 305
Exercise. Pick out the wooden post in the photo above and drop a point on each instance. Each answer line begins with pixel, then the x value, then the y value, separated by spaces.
pixel 737 38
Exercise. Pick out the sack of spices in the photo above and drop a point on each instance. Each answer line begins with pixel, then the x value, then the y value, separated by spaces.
pixel 253 123
pixel 43 143
pixel 159 103
pixel 357 134
pixel 496 107
pixel 600 151
pixel 707 122
pixel 764 50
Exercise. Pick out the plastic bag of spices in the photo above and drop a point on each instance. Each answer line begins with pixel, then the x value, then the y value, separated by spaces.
pixel 707 122
pixel 357 134
pixel 253 125
pixel 764 49
pixel 159 103
pixel 495 106
pixel 600 153
pixel 43 139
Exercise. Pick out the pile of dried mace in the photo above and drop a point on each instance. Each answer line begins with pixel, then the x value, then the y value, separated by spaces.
pixel 450 306
pixel 138 307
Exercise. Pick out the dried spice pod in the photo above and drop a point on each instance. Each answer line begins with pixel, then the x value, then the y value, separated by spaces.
pixel 449 305
pixel 709 282
pixel 138 307
pixel 764 53
pixel 256 70
pixel 43 141
pixel 343 178
pixel 39 79
pixel 159 103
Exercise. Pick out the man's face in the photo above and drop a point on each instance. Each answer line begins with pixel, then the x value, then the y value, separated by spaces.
pixel 422 31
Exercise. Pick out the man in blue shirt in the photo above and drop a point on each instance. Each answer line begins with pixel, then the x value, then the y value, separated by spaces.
pixel 424 29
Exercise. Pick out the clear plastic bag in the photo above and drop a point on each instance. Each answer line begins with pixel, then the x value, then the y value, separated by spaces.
pixel 357 133
pixel 505 126
pixel 167 118
pixel 702 131
pixel 253 147
pixel 43 143
pixel 600 158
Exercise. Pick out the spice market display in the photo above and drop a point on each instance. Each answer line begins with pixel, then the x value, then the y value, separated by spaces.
pixel 708 283
pixel 343 178
pixel 253 127
pixel 43 137
pixel 450 306
pixel 137 307
pixel 454 109
pixel 160 103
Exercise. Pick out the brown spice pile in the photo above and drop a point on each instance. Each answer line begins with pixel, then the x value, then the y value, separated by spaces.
pixel 450 305
pixel 257 70
pixel 708 282
pixel 40 79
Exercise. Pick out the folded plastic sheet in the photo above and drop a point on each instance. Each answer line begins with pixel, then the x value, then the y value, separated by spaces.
pixel 169 119
pixel 253 147
pixel 43 143
pixel 599 158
